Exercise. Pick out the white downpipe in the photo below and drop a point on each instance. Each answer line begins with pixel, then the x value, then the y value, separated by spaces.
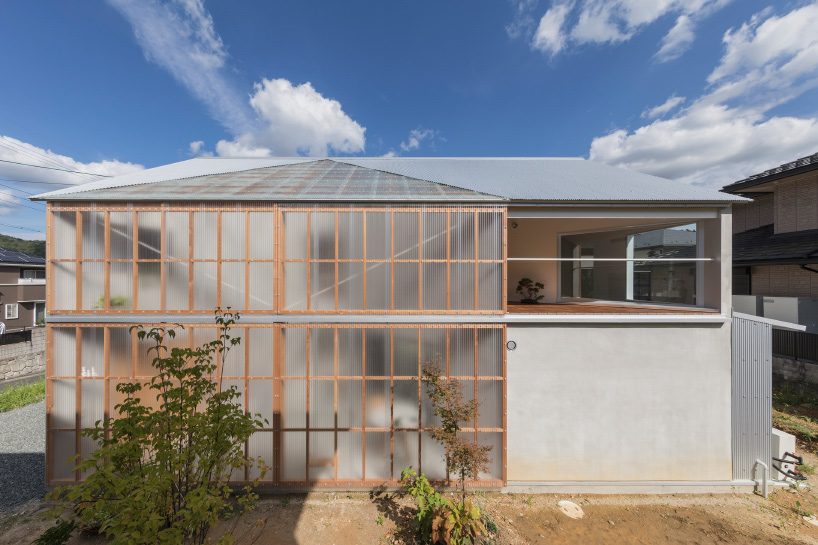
pixel 764 491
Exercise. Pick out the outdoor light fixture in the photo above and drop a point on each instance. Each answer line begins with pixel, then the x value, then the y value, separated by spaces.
pixel 511 345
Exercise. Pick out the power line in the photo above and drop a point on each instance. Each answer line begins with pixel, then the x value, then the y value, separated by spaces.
pixel 24 228
pixel 52 168
pixel 10 203
pixel 33 182
pixel 15 189
pixel 36 155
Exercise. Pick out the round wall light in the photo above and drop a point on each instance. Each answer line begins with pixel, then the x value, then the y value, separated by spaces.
pixel 511 345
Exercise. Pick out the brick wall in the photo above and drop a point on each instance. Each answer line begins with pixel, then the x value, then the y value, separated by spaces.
pixel 796 204
pixel 784 281
pixel 755 214
pixel 23 359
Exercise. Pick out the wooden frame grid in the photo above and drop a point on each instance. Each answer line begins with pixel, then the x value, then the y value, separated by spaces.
pixel 385 382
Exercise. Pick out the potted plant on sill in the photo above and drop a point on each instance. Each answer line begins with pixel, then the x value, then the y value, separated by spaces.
pixel 530 291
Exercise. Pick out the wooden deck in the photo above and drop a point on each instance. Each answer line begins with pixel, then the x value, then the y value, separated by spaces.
pixel 598 308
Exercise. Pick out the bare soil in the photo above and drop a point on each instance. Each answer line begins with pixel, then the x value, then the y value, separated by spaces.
pixel 359 517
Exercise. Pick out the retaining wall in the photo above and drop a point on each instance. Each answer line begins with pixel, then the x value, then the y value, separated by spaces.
pixel 793 370
pixel 23 359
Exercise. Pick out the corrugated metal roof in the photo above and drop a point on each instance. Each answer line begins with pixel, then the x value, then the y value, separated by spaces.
pixel 320 180
pixel 13 256
pixel 512 179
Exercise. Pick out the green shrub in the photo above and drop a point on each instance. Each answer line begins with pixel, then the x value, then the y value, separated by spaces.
pixel 162 476
pixel 58 534
pixel 20 396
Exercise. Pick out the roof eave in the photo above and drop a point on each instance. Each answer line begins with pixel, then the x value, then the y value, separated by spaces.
pixel 745 184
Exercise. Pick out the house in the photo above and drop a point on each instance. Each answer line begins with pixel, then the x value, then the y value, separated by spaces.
pixel 350 273
pixel 22 289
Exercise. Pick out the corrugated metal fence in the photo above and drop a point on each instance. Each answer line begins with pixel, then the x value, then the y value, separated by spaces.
pixel 752 395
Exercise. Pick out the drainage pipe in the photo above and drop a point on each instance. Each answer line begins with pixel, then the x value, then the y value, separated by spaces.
pixel 764 491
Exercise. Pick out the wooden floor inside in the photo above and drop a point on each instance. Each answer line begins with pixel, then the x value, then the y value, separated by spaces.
pixel 600 308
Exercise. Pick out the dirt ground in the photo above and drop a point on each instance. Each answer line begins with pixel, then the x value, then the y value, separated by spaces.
pixel 359 517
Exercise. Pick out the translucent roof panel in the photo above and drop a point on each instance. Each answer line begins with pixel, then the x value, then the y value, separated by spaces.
pixel 321 180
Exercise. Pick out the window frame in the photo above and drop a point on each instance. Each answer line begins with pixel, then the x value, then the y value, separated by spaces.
pixel 16 307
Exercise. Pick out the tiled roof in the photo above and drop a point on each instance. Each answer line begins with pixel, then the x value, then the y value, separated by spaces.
pixel 13 256
pixel 810 162
pixel 763 245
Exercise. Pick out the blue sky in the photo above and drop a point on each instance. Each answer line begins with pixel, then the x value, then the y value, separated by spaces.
pixel 703 91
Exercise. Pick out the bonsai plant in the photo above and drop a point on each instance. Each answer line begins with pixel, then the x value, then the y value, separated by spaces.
pixel 530 290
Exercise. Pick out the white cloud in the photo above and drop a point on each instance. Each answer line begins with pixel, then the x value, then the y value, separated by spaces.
pixel 415 139
pixel 727 133
pixel 613 22
pixel 280 118
pixel 664 108
pixel 17 151
pixel 550 36
pixel 523 22
pixel 197 149
pixel 8 202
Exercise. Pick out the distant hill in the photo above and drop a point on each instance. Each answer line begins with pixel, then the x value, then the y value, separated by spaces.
pixel 30 247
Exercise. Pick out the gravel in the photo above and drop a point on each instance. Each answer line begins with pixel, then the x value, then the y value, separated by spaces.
pixel 22 458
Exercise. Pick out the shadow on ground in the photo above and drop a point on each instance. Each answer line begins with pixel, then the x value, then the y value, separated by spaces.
pixel 22 481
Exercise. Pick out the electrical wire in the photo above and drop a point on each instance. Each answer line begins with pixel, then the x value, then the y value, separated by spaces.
pixel 10 203
pixel 24 228
pixel 36 155
pixel 33 182
pixel 52 168
pixel 15 189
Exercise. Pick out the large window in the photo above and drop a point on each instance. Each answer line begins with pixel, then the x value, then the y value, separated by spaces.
pixel 659 264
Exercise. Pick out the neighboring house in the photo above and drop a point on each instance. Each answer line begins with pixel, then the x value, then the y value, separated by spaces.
pixel 350 273
pixel 775 243
pixel 22 290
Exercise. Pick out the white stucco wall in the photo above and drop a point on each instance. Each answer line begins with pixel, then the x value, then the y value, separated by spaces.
pixel 637 402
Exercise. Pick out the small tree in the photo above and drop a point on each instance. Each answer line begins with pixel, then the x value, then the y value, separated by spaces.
pixel 162 475
pixel 463 457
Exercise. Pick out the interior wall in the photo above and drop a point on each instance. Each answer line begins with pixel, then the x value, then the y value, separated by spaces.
pixel 619 403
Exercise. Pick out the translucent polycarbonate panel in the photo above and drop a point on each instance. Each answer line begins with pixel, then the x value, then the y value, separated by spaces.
pixel 407 286
pixel 87 447
pixel 121 353
pixel 233 228
pixel 260 399
pixel 293 455
pixel 93 402
pixel 295 286
pixel 407 235
pixel 260 445
pixel 490 396
pixel 427 414
pixel 467 387
pixel 434 235
pixel 233 275
pixel 203 335
pixel 461 235
pixel 322 352
pixel 177 235
pixel 461 352
pixel 433 346
pixel 238 385
pixel 295 228
pixel 93 235
pixel 293 403
pixel 322 286
pixel 406 406
pixel 65 351
pixel 295 352
pixel 178 339
pixel 378 286
pixel 204 286
pixel 378 352
pixel 378 462
pixel 495 466
pixel 490 235
pixel 322 235
pixel 490 351
pixel 121 235
pixel 461 286
pixel 350 404
pixel 144 357
pixel 322 455
pixel 262 244
pixel 378 402
pixel 405 451
pixel 65 235
pixel 350 235
pixel 116 398
pixel 261 351
pixel 93 286
pixel 434 286
pixel 233 365
pixel 149 241
pixel 93 350
pixel 262 286
pixel 205 235
pixel 432 457
pixel 121 286
pixel 490 286
pixel 177 286
pixel 65 447
pixel 350 455
pixel 150 286
pixel 65 403
pixel 64 288
pixel 405 342
pixel 378 235
pixel 350 352
pixel 350 286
